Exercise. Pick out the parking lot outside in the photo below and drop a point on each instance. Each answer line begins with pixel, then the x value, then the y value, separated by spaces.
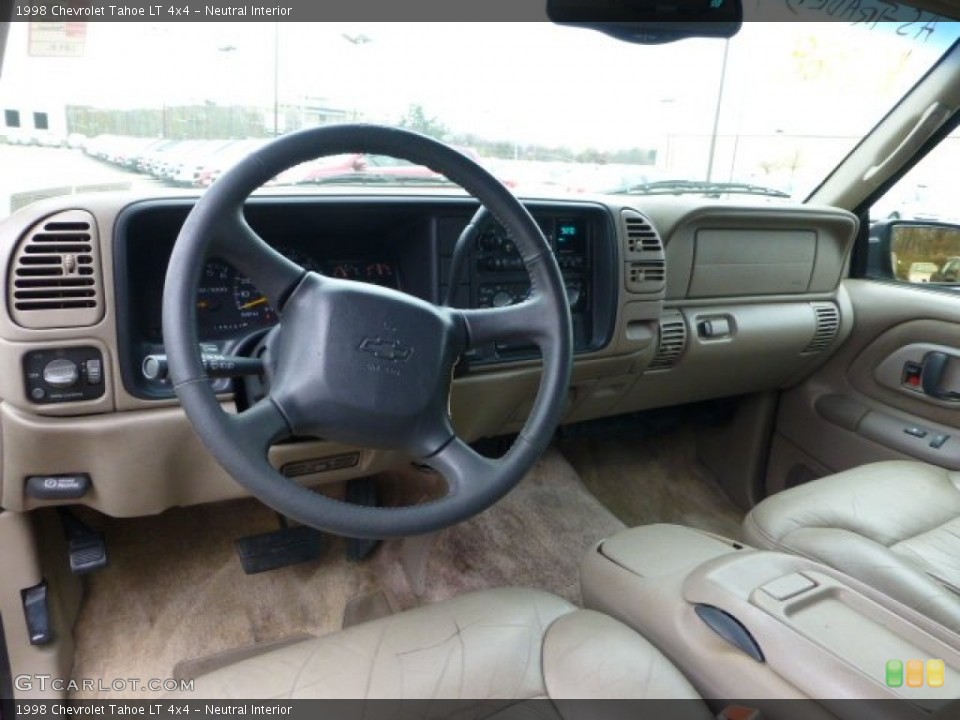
pixel 47 172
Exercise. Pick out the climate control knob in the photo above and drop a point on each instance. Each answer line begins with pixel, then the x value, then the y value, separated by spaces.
pixel 61 373
pixel 502 299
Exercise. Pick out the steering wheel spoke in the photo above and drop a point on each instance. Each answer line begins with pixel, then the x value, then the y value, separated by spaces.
pixel 523 321
pixel 260 426
pixel 271 272
pixel 465 470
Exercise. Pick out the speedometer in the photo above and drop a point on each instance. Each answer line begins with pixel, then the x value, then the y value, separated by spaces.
pixel 251 304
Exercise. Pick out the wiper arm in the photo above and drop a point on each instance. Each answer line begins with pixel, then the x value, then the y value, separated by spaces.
pixel 700 187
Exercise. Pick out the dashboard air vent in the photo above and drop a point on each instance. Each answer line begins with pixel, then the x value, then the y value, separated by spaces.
pixel 673 341
pixel 641 236
pixel 646 276
pixel 827 316
pixel 55 278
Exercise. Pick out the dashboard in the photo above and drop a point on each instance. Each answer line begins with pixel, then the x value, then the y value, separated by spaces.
pixel 673 300
pixel 369 242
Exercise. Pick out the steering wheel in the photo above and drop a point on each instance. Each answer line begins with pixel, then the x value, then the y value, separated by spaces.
pixel 357 363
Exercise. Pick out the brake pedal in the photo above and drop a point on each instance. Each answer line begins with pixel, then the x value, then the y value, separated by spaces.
pixel 86 548
pixel 280 548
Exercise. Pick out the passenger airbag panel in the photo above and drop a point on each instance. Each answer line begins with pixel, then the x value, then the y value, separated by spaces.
pixel 752 262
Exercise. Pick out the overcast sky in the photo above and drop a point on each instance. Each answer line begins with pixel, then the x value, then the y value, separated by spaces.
pixel 526 82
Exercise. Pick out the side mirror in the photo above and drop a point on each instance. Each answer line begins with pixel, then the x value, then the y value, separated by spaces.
pixel 915 251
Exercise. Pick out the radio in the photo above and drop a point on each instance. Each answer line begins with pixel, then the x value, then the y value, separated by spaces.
pixel 502 278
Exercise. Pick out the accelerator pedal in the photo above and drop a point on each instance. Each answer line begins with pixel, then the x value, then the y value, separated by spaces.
pixel 361 491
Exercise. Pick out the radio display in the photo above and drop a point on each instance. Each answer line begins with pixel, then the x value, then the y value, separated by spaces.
pixel 571 237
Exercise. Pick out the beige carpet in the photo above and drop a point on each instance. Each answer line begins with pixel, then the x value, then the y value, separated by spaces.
pixel 175 591
pixel 653 478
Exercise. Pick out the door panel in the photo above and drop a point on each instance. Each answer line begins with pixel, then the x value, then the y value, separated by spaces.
pixel 863 405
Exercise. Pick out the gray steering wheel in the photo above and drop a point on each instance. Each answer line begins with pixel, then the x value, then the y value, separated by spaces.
pixel 357 363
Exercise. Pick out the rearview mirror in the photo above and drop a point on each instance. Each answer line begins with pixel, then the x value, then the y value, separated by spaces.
pixel 651 22
pixel 915 251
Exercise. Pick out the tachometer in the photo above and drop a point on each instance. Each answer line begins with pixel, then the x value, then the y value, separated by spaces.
pixel 214 306
pixel 346 271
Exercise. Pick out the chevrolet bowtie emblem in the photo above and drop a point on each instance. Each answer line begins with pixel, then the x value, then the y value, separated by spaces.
pixel 392 350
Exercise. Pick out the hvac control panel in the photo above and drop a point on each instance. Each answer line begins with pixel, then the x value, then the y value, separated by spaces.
pixel 63 375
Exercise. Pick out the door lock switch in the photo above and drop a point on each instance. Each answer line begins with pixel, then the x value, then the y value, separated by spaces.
pixel 939 441
pixel 912 373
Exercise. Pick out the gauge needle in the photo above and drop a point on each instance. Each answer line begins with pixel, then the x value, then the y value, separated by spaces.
pixel 254 303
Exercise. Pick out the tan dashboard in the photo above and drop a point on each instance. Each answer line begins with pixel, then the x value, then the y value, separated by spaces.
pixel 674 300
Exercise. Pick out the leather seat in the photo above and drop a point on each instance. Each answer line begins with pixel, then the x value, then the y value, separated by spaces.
pixel 498 644
pixel 893 525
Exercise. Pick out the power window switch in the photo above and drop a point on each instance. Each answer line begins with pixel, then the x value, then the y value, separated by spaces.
pixel 917 432
pixel 939 441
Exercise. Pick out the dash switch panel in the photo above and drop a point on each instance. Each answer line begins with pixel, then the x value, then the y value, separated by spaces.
pixel 63 375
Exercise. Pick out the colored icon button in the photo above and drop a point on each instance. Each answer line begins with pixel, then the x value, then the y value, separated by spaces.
pixel 894 673
pixel 936 670
pixel 915 673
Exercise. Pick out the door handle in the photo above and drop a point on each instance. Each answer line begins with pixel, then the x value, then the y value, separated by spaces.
pixel 932 370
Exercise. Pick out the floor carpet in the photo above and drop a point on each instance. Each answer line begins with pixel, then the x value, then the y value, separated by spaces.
pixel 175 592
pixel 653 476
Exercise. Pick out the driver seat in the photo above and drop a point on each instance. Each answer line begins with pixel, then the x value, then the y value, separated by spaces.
pixel 501 644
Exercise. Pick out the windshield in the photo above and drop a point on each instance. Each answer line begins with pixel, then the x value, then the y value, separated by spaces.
pixel 550 110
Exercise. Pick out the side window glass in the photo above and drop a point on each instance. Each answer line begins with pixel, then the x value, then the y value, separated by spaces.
pixel 915 227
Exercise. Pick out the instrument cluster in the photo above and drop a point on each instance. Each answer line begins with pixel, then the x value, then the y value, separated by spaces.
pixel 228 303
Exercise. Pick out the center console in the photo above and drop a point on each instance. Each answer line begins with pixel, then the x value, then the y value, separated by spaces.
pixel 742 623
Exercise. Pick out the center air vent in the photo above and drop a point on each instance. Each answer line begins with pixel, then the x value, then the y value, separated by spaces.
pixel 673 341
pixel 827 317
pixel 645 263
pixel 641 236
pixel 646 276
pixel 55 280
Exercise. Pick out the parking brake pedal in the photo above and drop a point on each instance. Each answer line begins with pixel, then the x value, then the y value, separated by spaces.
pixel 280 548
pixel 87 549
